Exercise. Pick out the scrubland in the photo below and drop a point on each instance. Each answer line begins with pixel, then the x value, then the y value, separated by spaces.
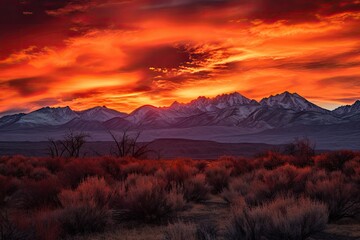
pixel 269 196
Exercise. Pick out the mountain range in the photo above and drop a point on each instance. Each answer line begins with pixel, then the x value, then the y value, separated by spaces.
pixel 279 111
pixel 226 117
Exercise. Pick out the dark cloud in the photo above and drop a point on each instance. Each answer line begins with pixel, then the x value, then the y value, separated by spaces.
pixel 342 81
pixel 29 86
pixel 324 61
pixel 301 10
pixel 161 56
pixel 46 102
pixel 349 100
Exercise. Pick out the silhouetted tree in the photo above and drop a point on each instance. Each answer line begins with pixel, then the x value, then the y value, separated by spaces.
pixel 302 149
pixel 127 144
pixel 69 146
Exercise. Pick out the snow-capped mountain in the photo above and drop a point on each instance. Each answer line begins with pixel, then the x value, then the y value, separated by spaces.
pixel 291 101
pixel 48 116
pixel 100 114
pixel 348 110
pixel 280 111
pixel 205 104
pixel 10 119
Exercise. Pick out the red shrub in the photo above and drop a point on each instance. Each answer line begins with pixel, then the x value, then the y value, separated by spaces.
pixel 78 169
pixel 196 189
pixel 342 198
pixel 334 161
pixel 145 198
pixel 92 192
pixel 217 176
pixel 36 194
pixel 273 160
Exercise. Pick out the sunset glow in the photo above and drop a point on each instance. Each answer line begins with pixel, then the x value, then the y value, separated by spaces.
pixel 124 54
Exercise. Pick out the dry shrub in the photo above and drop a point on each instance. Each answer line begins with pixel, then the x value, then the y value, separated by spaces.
pixel 10 230
pixel 273 160
pixel 46 224
pixel 342 198
pixel 180 231
pixel 218 177
pixel 196 189
pixel 236 190
pixel 207 231
pixel 241 166
pixel 92 192
pixel 113 168
pixel 283 218
pixel 145 198
pixel 40 173
pixel 334 161
pixel 78 169
pixel 84 220
pixel 178 172
pixel 36 194
pixel 86 207
pixel 302 151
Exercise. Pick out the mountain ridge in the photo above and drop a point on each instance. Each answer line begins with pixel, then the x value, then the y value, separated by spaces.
pixel 276 111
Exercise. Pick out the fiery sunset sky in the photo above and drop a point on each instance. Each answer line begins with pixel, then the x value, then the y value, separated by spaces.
pixel 127 53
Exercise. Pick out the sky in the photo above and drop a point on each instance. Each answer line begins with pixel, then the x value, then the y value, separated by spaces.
pixel 127 53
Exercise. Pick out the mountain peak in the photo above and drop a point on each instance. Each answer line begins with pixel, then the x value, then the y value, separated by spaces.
pixel 100 113
pixel 291 101
pixel 348 109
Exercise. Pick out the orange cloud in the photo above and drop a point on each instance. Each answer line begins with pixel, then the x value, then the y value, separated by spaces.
pixel 124 54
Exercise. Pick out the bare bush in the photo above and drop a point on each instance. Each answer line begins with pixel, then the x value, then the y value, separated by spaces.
pixel 283 218
pixel 69 146
pixel 127 145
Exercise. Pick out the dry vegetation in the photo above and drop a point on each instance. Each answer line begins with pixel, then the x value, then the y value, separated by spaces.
pixel 271 196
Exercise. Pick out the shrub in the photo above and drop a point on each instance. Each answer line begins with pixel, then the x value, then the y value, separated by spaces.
pixel 273 160
pixel 217 176
pixel 77 170
pixel 46 224
pixel 207 231
pixel 283 218
pixel 342 198
pixel 86 207
pixel 334 161
pixel 178 172
pixel 241 166
pixel 9 230
pixel 303 150
pixel 92 192
pixel 36 194
pixel 180 231
pixel 146 199
pixel 84 220
pixel 196 189
pixel 237 189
